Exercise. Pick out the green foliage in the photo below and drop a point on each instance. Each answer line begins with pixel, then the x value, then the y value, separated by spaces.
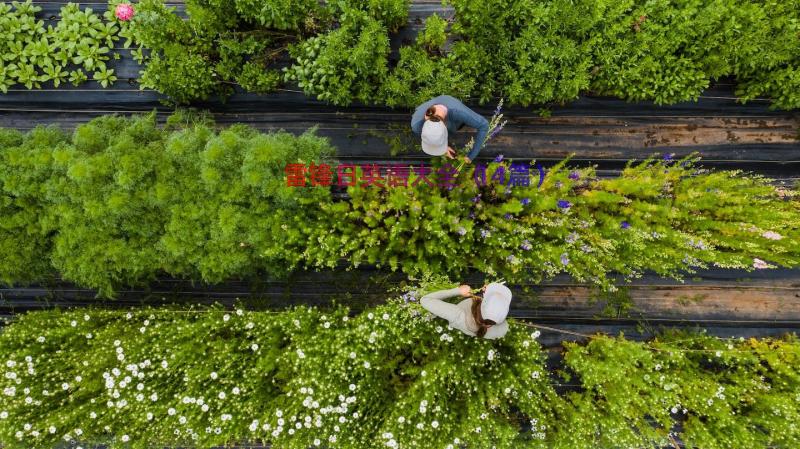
pixel 124 200
pixel 434 36
pixel 277 14
pixel 680 219
pixel 218 45
pixel 32 54
pixel 390 376
pixel 392 13
pixel 420 76
pixel 769 49
pixel 345 65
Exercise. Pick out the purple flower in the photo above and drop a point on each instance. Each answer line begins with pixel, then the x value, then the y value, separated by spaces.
pixel 684 163
pixel 574 176
pixel 499 158
pixel 498 108
pixel 507 216
pixel 511 258
pixel 484 233
pixel 461 230
pixel 495 132
pixel 625 225
pixel 472 215
pixel 564 204
pixel 408 297
pixel 476 198
pixel 525 201
pixel 526 245
pixel 668 157
pixel 564 259
pixel 572 237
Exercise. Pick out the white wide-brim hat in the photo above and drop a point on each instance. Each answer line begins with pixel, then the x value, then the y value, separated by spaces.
pixel 434 138
pixel 495 303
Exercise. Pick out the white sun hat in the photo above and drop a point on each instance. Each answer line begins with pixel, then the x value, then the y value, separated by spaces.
pixel 434 138
pixel 495 302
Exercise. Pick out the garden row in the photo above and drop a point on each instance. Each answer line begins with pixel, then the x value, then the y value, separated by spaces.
pixel 389 377
pixel 340 52
pixel 121 201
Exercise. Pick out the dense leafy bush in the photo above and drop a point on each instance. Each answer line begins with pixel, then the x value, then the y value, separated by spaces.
pixel 390 376
pixel 344 65
pixel 79 44
pixel 123 200
pixel 218 45
pixel 221 44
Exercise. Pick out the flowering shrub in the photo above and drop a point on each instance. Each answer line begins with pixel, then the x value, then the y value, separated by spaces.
pixel 123 200
pixel 660 215
pixel 390 377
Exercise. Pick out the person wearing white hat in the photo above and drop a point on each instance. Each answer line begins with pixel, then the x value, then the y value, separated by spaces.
pixel 436 119
pixel 475 316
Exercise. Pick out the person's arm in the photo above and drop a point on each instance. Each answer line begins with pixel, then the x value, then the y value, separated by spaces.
pixel 482 125
pixel 432 302
pixel 416 125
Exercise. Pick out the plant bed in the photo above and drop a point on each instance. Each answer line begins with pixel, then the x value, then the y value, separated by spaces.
pixel 121 201
pixel 390 375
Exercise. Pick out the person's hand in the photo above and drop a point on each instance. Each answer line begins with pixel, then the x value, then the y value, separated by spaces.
pixel 465 290
pixel 467 160
pixel 451 153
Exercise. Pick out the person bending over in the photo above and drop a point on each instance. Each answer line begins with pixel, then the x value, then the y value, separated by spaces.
pixel 475 316
pixel 439 117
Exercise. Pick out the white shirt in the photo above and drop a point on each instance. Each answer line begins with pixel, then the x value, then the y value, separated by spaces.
pixel 459 315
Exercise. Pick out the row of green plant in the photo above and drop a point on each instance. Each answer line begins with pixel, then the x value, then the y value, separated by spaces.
pixel 390 376
pixel 216 45
pixel 121 200
pixel 546 51
pixel 79 44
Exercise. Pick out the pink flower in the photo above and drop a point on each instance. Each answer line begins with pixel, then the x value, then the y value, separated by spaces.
pixel 124 12
pixel 771 235
pixel 760 264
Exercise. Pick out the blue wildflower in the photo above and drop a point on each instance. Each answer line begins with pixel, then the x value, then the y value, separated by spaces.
pixel 485 233
pixel 572 237
pixel 507 216
pixel 476 198
pixel 499 158
pixel 564 204
pixel 511 258
pixel 472 215
pixel 564 259
pixel 574 176
pixel 668 157
pixel 625 225
pixel 526 245
pixel 461 230
pixel 525 201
